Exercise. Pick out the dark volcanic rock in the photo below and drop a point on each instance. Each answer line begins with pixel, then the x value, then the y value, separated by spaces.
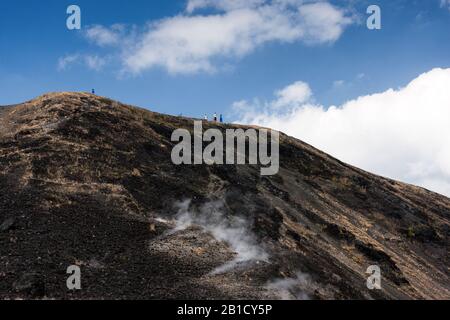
pixel 88 181
pixel 7 224
pixel 31 285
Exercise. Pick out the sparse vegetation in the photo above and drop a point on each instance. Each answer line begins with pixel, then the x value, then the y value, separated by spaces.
pixel 411 233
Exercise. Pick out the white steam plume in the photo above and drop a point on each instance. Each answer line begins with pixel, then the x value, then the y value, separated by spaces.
pixel 291 288
pixel 232 230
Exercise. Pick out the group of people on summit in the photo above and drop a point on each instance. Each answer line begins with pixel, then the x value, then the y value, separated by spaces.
pixel 215 119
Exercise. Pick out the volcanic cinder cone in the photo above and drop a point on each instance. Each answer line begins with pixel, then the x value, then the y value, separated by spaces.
pixel 88 181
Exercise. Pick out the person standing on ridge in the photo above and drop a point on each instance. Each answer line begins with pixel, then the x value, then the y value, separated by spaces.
pixel 221 118
pixel 215 117
pixel 93 91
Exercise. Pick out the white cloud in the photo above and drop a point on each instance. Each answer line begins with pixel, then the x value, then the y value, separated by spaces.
pixel 103 36
pixel 66 61
pixel 445 4
pixel 224 5
pixel 193 41
pixel 293 95
pixel 93 62
pixel 338 83
pixel 402 134
pixel 322 22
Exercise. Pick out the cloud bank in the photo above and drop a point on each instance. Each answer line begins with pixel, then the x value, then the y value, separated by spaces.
pixel 402 134
pixel 208 34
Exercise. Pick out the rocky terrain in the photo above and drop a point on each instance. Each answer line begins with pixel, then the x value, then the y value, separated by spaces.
pixel 88 181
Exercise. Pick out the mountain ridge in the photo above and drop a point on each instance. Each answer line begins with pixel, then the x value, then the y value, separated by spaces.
pixel 86 180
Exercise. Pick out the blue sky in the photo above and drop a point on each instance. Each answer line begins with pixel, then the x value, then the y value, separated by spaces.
pixel 282 64
pixel 414 38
